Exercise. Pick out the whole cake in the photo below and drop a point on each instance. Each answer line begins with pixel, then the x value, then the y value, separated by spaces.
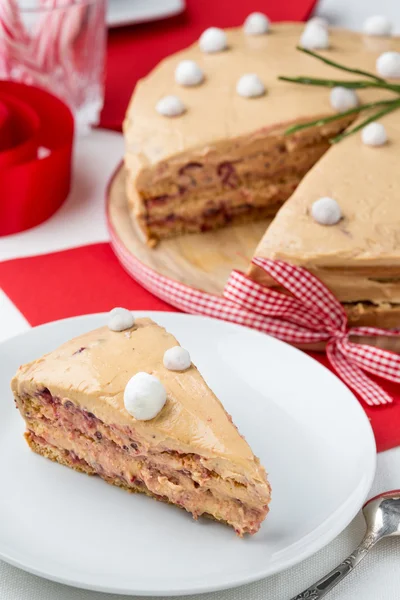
pixel 126 403
pixel 207 144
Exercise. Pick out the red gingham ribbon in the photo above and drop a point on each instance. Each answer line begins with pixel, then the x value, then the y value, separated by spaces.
pixel 313 314
pixel 310 314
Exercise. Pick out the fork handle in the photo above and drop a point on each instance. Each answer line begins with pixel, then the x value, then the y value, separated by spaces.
pixel 325 584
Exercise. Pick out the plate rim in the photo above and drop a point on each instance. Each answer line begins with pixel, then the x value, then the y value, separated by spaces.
pixel 322 540
pixel 113 22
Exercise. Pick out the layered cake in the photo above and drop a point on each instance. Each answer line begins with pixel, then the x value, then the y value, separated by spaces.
pixel 126 403
pixel 212 139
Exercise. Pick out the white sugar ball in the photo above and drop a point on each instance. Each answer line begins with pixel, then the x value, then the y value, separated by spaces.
pixel 188 73
pixel 177 359
pixel 170 106
pixel 256 24
pixel 319 21
pixel 378 25
pixel 343 99
pixel 326 211
pixel 314 37
pixel 144 396
pixel 374 134
pixel 213 40
pixel 250 86
pixel 388 64
pixel 120 319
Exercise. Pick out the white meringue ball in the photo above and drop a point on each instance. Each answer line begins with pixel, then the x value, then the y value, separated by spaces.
pixel 256 24
pixel 250 86
pixel 314 37
pixel 374 134
pixel 188 73
pixel 319 21
pixel 120 319
pixel 170 106
pixel 326 211
pixel 388 65
pixel 343 99
pixel 144 396
pixel 378 25
pixel 176 359
pixel 213 40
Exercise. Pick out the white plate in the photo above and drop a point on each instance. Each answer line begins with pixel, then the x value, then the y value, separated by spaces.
pixel 126 12
pixel 307 427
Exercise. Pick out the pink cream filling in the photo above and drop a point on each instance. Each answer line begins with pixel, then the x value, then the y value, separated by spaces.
pixel 112 453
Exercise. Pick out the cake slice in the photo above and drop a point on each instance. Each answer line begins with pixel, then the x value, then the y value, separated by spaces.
pixel 226 160
pixel 358 258
pixel 190 454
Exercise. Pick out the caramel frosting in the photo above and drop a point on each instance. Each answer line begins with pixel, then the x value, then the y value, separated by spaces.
pixel 215 112
pixel 93 370
pixel 349 256
pixel 358 258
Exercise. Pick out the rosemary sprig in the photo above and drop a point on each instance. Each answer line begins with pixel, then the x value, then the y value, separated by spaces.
pixel 339 82
pixel 336 65
pixel 374 117
pixel 338 116
pixel 373 82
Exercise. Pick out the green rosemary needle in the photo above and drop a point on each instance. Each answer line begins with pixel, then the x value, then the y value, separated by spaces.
pixel 336 65
pixel 374 117
pixel 336 117
pixel 373 82
pixel 342 83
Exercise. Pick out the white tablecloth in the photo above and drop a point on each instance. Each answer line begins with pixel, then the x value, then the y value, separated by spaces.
pixel 80 221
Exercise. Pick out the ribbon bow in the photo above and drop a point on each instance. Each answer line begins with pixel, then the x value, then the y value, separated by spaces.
pixel 312 314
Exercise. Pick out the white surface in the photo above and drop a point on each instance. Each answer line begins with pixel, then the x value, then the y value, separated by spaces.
pixel 353 13
pixel 12 322
pixel 125 12
pixel 378 576
pixel 99 537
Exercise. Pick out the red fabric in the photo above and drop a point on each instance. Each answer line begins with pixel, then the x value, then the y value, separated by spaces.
pixel 134 51
pixel 90 279
pixel 31 189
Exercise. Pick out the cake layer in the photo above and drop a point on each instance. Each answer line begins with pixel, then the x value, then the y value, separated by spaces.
pixel 265 155
pixel 210 218
pixel 106 451
pixel 64 424
pixel 262 169
pixel 374 285
pixel 261 193
pixel 366 314
pixel 190 453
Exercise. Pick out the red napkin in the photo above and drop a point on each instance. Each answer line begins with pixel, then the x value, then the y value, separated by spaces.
pixel 90 279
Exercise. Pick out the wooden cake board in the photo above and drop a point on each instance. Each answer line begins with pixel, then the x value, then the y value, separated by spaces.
pixel 198 261
pixel 202 261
